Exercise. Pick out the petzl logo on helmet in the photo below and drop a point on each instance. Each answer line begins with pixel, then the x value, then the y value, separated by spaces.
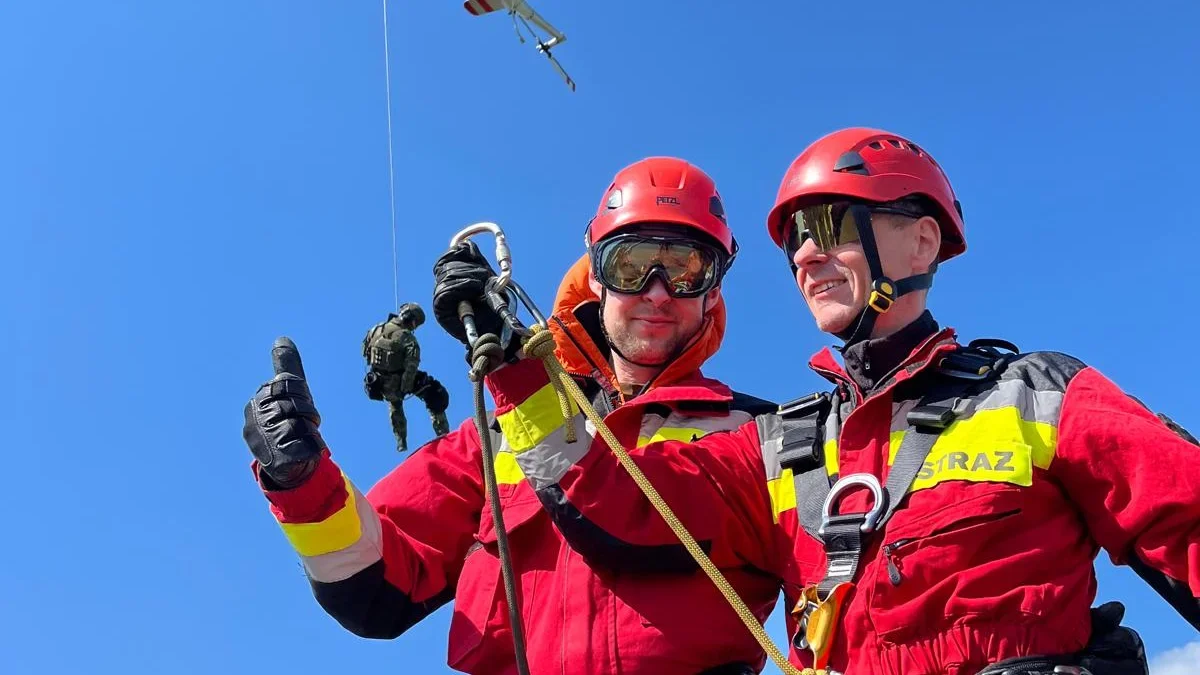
pixel 664 199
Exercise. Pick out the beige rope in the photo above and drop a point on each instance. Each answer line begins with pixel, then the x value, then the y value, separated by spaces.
pixel 541 346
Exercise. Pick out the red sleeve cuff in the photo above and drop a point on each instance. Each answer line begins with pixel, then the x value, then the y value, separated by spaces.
pixel 515 382
pixel 314 500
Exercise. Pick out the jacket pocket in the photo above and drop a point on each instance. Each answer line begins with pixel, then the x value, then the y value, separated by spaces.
pixel 480 607
pixel 949 565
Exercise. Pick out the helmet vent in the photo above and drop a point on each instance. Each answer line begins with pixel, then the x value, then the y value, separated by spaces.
pixel 716 208
pixel 895 143
pixel 876 145
pixel 851 162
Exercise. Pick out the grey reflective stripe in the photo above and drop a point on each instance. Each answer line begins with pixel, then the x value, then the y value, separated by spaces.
pixel 700 425
pixel 1033 405
pixel 345 563
pixel 547 462
pixel 770 439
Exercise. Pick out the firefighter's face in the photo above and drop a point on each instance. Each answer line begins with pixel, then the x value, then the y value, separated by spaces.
pixel 650 327
pixel 836 282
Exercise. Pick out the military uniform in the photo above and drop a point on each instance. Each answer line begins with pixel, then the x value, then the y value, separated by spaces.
pixel 394 358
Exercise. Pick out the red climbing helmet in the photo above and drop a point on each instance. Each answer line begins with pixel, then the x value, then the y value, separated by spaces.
pixel 665 190
pixel 874 166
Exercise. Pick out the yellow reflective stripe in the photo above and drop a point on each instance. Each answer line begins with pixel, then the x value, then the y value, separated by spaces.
pixel 783 493
pixel 894 441
pixel 335 533
pixel 508 472
pixel 1043 440
pixel 1012 464
pixel 990 446
pixel 530 422
pixel 685 434
pixel 831 456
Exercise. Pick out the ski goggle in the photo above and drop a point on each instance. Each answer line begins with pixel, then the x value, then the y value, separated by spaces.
pixel 688 268
pixel 837 223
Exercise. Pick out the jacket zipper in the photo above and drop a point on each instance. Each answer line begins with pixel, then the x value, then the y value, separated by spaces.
pixel 891 557
pixel 889 553
pixel 842 381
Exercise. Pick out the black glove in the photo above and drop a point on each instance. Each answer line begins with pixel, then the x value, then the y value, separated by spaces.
pixel 461 274
pixel 281 422
pixel 1113 649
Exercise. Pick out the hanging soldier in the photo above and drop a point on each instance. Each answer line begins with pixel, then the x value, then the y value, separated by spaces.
pixel 394 358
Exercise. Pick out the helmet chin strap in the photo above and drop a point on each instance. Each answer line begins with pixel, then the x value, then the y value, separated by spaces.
pixel 884 291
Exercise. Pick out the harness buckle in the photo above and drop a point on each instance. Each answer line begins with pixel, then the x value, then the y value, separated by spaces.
pixel 883 295
pixel 965 365
pixel 869 519
pixel 932 416
pixel 803 406
pixel 803 443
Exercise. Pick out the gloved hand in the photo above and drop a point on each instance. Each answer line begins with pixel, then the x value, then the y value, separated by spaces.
pixel 461 274
pixel 1113 649
pixel 281 422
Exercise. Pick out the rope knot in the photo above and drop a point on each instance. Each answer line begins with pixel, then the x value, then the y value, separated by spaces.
pixel 486 356
pixel 541 344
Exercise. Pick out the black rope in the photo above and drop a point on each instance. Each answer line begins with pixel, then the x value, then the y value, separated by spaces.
pixel 486 355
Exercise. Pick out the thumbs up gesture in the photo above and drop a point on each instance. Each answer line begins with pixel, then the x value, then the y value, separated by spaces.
pixel 281 422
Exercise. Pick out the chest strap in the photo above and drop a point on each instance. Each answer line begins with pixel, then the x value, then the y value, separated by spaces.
pixel 957 377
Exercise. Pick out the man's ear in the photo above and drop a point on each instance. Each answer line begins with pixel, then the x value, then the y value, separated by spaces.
pixel 928 243
pixel 594 285
pixel 711 298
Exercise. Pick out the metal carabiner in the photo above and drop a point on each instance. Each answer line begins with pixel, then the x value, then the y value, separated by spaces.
pixel 503 255
pixel 503 285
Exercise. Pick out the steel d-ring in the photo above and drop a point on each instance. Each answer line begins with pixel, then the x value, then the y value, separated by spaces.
pixel 865 480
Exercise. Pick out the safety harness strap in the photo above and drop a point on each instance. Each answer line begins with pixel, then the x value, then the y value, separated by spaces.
pixel 798 427
pixel 843 534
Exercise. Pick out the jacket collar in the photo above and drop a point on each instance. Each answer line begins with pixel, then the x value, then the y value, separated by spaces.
pixel 927 352
pixel 867 362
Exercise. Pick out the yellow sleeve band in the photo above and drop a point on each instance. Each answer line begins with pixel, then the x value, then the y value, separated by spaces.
pixel 335 533
pixel 530 422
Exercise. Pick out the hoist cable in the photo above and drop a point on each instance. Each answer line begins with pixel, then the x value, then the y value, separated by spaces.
pixel 387 77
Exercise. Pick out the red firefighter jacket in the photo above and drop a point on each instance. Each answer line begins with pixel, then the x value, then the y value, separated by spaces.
pixel 990 552
pixel 619 597
pixel 990 555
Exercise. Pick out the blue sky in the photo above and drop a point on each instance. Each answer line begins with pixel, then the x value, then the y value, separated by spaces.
pixel 182 182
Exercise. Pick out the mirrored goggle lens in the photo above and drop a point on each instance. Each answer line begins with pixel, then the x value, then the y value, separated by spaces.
pixel 625 265
pixel 828 225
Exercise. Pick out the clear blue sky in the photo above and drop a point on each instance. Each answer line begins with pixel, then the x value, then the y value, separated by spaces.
pixel 182 182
